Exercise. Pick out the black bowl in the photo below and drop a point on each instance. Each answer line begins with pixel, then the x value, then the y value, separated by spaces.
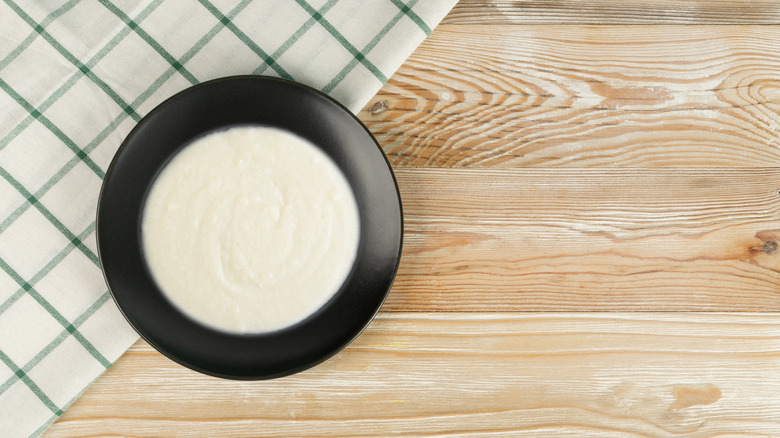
pixel 242 101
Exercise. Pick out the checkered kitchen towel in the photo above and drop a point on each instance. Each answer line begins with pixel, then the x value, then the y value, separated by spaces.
pixel 75 77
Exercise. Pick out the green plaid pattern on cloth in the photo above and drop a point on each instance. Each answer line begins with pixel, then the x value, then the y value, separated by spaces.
pixel 75 77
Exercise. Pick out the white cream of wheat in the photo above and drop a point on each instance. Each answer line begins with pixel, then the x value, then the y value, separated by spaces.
pixel 250 230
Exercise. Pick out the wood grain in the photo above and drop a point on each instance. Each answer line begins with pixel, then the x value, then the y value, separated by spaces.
pixel 584 96
pixel 588 166
pixel 626 375
pixel 614 12
pixel 578 239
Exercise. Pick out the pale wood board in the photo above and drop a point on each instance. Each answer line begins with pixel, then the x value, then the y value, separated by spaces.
pixel 589 239
pixel 582 96
pixel 709 12
pixel 472 374
pixel 619 162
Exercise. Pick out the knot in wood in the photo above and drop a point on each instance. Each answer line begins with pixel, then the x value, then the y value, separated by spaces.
pixel 378 107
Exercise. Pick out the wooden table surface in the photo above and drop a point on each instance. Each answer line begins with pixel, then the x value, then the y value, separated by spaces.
pixel 592 211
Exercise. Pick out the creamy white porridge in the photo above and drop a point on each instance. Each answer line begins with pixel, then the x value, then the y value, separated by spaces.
pixel 251 229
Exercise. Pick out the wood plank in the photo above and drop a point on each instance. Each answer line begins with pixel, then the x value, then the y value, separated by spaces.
pixel 697 375
pixel 582 96
pixel 589 239
pixel 614 12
